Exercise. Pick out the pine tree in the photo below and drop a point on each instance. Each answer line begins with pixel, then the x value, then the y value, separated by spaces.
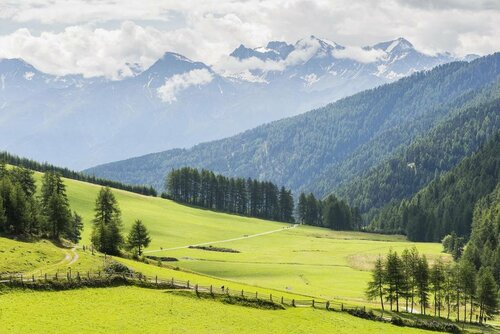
pixel 437 278
pixel 468 283
pixel 487 293
pixel 55 205
pixel 376 287
pixel 422 283
pixel 106 233
pixel 138 237
pixel 75 228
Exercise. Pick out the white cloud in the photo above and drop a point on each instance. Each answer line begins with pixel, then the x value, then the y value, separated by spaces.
pixel 359 54
pixel 180 82
pixel 98 37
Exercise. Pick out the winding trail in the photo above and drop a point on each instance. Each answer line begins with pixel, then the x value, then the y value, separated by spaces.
pixel 223 241
pixel 70 257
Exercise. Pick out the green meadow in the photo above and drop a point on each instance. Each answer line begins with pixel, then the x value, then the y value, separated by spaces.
pixel 293 262
pixel 135 310
pixel 303 260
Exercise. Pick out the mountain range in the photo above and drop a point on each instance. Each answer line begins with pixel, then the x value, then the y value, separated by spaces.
pixel 80 122
pixel 372 148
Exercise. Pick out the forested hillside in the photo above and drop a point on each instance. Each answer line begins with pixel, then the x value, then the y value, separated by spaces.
pixel 483 248
pixel 446 204
pixel 457 136
pixel 324 148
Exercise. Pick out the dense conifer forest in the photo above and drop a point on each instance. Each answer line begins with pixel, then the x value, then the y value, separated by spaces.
pixel 234 195
pixel 446 205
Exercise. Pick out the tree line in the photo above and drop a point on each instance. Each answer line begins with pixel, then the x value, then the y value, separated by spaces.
pixel 330 212
pixel 408 281
pixel 70 174
pixel 247 197
pixel 25 213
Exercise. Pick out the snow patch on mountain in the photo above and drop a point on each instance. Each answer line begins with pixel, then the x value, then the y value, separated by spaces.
pixel 28 75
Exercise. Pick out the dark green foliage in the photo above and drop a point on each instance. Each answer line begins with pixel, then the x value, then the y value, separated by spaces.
pixel 325 148
pixel 24 214
pixel 106 233
pixel 31 165
pixel 235 195
pixel 487 293
pixel 483 249
pixel 117 268
pixel 138 238
pixel 55 205
pixel 75 228
pixel 331 212
pixel 446 204
pixel 430 155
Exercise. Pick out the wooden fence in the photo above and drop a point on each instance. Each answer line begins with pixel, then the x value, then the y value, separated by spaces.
pixel 26 281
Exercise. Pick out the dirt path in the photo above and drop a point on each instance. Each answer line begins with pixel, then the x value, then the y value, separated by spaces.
pixel 70 257
pixel 223 241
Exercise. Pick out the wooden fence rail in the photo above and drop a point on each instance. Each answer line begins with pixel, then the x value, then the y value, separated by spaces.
pixel 19 279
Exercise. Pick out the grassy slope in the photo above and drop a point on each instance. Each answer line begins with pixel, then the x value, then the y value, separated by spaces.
pixel 134 310
pixel 306 260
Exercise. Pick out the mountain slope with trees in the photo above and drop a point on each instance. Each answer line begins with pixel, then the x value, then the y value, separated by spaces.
pixel 445 205
pixel 457 136
pixel 322 149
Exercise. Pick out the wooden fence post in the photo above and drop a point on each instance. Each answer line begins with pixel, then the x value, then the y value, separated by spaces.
pixel 211 291
pixel 196 289
pixel 188 284
pixel 242 293
pixel 33 278
pixel 327 305
pixel 313 304
pixel 256 295
pixel 56 276
pixel 364 308
pixel 45 277
pixel 342 307
pixel 293 302
pixel 173 282
pixel 271 297
pixel 281 299
pixel 156 279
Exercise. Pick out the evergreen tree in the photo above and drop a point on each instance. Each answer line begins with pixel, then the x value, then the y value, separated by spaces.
pixel 55 205
pixel 422 283
pixel 468 282
pixel 138 237
pixel 376 287
pixel 487 293
pixel 394 278
pixel 75 228
pixel 106 233
pixel 437 278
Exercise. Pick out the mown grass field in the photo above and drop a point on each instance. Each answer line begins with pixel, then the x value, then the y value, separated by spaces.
pixel 135 310
pixel 305 260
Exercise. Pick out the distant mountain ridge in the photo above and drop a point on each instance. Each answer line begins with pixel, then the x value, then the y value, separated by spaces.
pixel 325 149
pixel 80 122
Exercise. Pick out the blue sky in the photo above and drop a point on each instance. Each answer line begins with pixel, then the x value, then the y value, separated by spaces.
pixel 97 37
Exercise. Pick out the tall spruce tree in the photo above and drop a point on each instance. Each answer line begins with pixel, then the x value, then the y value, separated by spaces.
pixel 138 238
pixel 107 230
